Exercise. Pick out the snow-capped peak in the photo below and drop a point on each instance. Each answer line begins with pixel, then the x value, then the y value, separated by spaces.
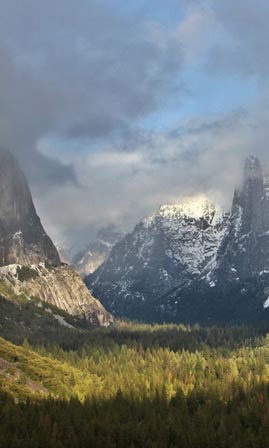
pixel 196 207
pixel 172 247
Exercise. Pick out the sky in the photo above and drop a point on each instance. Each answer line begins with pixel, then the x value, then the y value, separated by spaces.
pixel 116 107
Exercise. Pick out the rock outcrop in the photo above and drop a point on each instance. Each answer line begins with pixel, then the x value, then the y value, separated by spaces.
pixel 59 286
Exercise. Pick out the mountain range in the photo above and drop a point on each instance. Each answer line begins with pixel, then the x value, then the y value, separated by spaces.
pixel 192 262
pixel 188 262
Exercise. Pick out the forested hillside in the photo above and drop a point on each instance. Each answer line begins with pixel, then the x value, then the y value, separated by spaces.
pixel 137 386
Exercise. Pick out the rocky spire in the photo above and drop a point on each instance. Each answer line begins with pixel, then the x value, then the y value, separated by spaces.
pixel 22 238
pixel 251 198
pixel 245 249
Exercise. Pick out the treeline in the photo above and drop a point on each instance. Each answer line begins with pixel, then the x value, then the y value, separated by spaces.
pixel 176 337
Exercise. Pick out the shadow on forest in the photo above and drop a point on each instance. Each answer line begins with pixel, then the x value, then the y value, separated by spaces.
pixel 153 337
pixel 197 421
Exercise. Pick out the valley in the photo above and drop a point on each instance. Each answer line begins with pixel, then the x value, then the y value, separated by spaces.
pixel 134 224
pixel 73 374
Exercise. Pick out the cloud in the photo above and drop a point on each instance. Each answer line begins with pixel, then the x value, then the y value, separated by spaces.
pixel 86 88
pixel 78 70
pixel 198 156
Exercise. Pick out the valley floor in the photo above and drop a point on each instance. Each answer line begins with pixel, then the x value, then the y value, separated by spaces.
pixel 136 386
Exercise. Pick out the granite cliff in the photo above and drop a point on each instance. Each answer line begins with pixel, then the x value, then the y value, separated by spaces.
pixel 29 261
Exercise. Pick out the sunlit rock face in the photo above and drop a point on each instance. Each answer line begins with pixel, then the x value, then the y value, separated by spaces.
pixel 22 237
pixel 168 249
pixel 59 286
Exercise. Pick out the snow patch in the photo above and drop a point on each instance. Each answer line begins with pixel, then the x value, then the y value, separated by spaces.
pixel 17 235
pixel 266 303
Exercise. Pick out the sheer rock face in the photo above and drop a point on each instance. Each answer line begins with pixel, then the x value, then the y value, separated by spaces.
pixel 22 237
pixel 245 249
pixel 24 242
pixel 170 248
